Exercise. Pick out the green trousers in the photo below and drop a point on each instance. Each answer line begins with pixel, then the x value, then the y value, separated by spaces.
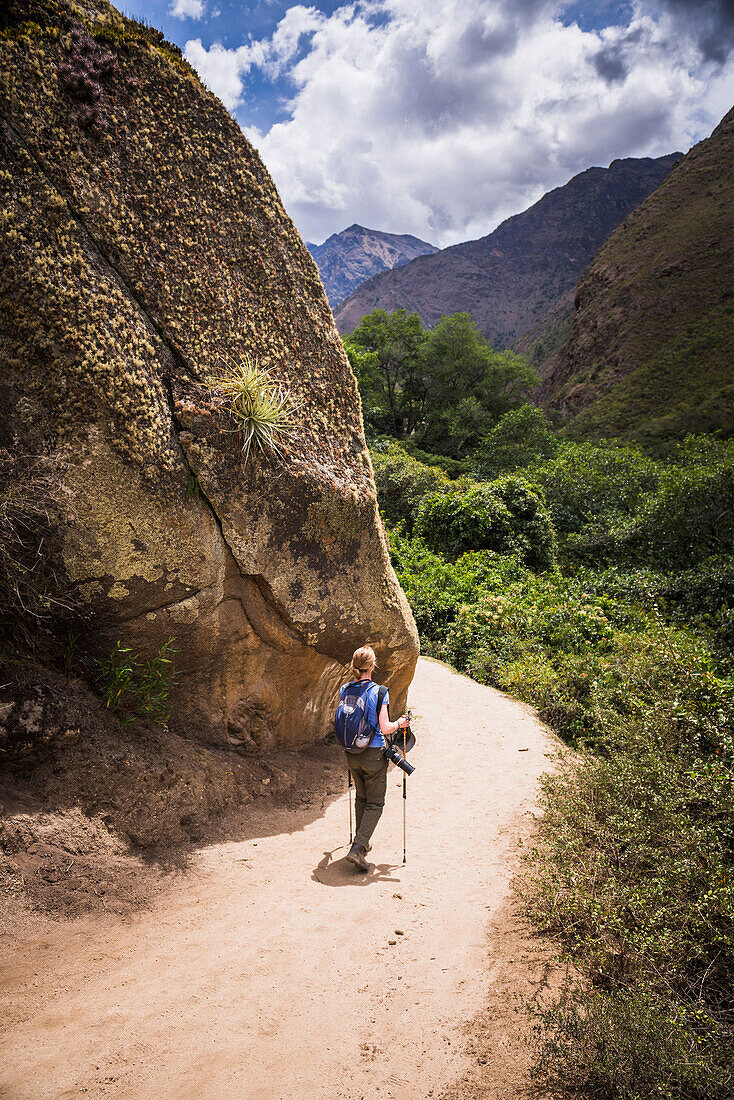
pixel 369 772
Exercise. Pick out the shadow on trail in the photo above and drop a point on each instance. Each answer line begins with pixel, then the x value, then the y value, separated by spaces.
pixel 100 827
pixel 338 872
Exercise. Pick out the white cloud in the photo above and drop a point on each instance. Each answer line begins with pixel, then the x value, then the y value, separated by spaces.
pixel 222 70
pixel 187 9
pixel 440 120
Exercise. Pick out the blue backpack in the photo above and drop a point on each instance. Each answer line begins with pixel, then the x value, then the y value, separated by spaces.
pixel 354 731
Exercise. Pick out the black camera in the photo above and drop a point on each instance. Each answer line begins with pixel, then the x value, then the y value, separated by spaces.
pixel 394 749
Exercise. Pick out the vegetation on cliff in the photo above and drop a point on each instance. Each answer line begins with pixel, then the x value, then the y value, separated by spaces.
pixel 144 242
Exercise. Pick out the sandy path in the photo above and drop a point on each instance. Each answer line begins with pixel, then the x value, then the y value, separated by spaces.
pixel 266 973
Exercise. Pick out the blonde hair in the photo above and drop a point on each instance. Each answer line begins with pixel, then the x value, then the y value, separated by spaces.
pixel 363 659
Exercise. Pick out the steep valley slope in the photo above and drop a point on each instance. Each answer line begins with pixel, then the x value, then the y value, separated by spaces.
pixel 651 350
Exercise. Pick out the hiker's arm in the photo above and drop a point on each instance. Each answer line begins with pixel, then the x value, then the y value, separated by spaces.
pixel 388 728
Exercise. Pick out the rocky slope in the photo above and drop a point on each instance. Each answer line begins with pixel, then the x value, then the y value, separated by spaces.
pixel 143 241
pixel 513 279
pixel 651 349
pixel 346 259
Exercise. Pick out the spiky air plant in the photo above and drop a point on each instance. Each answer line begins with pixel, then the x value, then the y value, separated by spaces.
pixel 264 410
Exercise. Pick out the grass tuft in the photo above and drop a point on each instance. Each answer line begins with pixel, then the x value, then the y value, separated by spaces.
pixel 138 689
pixel 263 410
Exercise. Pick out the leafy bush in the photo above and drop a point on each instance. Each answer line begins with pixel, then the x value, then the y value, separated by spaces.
pixel 522 437
pixel 135 688
pixel 453 467
pixel 506 516
pixel 634 1044
pixel 402 483
pixel 691 515
pixel 592 492
pixel 704 595
pixel 589 483
pixel 633 871
pixel 612 503
pixel 633 868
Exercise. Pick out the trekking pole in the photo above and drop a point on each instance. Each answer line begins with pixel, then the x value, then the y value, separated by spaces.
pixel 349 796
pixel 405 798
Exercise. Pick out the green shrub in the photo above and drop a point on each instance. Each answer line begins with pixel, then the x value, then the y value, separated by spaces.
pixel 633 872
pixel 586 483
pixel 453 467
pixel 634 1044
pixel 690 516
pixel 704 595
pixel 658 824
pixel 633 869
pixel 611 503
pixel 506 516
pixel 521 438
pixel 402 483
pixel 136 688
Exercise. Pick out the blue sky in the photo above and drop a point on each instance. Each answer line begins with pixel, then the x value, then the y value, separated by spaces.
pixel 441 119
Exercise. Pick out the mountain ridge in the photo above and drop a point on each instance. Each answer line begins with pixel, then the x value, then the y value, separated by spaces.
pixel 512 278
pixel 651 346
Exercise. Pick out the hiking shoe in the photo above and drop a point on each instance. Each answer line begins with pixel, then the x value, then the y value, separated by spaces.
pixel 356 856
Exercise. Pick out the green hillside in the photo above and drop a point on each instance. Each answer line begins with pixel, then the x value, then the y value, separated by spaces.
pixel 651 349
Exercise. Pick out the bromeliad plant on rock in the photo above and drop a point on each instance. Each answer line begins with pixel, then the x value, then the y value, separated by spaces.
pixel 262 408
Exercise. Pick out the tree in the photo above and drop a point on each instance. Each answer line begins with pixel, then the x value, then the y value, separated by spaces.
pixel 507 516
pixel 384 351
pixel 469 385
pixel 523 436
pixel 446 388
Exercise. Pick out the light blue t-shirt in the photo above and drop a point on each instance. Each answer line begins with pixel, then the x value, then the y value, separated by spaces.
pixel 378 741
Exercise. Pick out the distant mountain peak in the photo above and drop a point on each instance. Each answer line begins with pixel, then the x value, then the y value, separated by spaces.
pixel 347 258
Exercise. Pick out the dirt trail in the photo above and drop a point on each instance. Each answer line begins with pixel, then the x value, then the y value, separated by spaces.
pixel 267 971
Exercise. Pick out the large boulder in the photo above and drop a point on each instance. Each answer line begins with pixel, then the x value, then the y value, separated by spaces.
pixel 143 241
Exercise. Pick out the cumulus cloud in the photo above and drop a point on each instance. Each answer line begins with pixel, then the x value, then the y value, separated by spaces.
pixel 187 9
pixel 223 70
pixel 710 22
pixel 440 120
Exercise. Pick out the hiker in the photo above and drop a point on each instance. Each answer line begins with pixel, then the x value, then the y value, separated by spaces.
pixel 368 766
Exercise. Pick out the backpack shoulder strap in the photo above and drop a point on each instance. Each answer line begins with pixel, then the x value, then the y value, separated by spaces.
pixel 381 693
